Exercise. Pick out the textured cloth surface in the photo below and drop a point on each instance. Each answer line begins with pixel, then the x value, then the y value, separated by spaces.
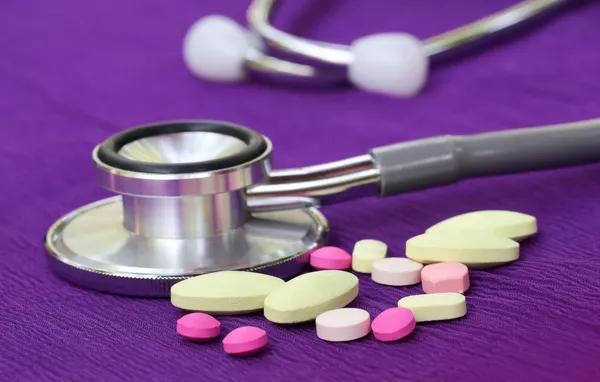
pixel 73 72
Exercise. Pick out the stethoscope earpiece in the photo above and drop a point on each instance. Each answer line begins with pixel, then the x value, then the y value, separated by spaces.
pixel 390 63
pixel 214 48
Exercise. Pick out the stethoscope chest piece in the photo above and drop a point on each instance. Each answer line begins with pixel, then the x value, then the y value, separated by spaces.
pixel 200 196
pixel 181 212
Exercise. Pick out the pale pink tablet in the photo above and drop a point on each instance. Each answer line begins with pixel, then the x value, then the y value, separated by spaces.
pixel 245 341
pixel 393 324
pixel 396 271
pixel 332 258
pixel 198 327
pixel 345 324
pixel 445 277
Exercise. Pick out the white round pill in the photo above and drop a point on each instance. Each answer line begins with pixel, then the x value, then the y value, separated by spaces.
pixel 396 271
pixel 346 324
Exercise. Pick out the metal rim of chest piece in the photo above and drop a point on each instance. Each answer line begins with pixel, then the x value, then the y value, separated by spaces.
pixel 181 212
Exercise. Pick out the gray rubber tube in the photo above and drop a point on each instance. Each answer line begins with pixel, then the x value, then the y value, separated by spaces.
pixel 441 160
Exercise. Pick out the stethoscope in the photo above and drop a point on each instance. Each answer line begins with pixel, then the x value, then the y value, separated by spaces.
pixel 218 49
pixel 200 196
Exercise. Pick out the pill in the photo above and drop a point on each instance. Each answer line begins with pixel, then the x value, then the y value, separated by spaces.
pixel 330 258
pixel 474 249
pixel 365 253
pixel 445 277
pixel 198 327
pixel 435 307
pixel 245 340
pixel 229 292
pixel 306 296
pixel 346 324
pixel 514 225
pixel 393 324
pixel 396 271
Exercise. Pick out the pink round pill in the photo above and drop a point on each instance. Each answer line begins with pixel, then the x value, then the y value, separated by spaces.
pixel 445 277
pixel 245 340
pixel 198 327
pixel 331 258
pixel 393 324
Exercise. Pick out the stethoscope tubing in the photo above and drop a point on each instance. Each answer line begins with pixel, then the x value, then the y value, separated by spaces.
pixel 430 162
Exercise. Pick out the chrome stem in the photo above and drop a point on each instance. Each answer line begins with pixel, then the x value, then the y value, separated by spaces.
pixel 185 217
pixel 316 185
pixel 325 170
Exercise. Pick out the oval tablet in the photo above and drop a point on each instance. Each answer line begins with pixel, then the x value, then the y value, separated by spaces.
pixel 198 327
pixel 435 307
pixel 445 277
pixel 514 225
pixel 306 296
pixel 330 258
pixel 393 324
pixel 365 253
pixel 474 249
pixel 245 341
pixel 224 292
pixel 344 324
pixel 396 271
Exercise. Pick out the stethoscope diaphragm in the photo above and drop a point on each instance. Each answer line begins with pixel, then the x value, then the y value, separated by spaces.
pixel 182 212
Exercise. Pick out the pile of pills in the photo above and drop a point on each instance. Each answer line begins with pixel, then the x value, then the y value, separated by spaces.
pixel 439 259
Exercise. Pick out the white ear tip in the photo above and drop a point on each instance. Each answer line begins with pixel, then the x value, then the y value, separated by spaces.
pixel 390 63
pixel 214 49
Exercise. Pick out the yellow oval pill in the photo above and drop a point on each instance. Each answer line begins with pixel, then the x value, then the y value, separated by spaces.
pixel 514 225
pixel 435 306
pixel 474 249
pixel 224 292
pixel 365 253
pixel 306 296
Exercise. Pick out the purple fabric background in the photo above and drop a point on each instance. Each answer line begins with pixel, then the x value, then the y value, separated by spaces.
pixel 73 72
